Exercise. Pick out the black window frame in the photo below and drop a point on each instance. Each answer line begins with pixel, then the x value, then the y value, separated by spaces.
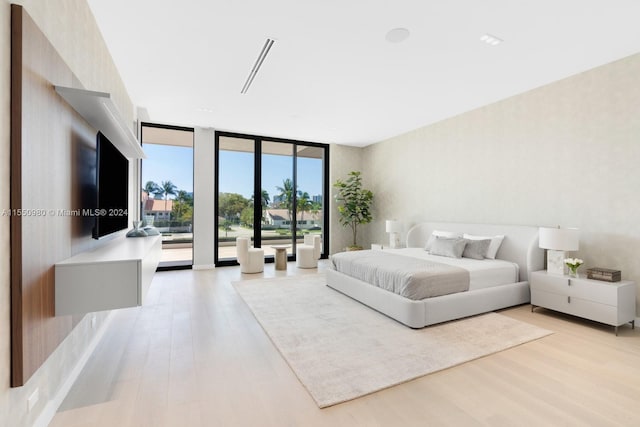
pixel 257 178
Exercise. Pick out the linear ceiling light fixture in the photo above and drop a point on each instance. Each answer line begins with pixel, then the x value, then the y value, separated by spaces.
pixel 257 65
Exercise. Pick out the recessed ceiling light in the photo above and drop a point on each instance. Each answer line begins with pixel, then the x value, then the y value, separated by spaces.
pixel 491 40
pixel 397 35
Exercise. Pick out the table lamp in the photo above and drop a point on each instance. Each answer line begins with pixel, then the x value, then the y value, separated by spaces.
pixel 394 227
pixel 557 241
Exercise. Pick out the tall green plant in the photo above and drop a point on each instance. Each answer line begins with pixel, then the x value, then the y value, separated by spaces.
pixel 354 203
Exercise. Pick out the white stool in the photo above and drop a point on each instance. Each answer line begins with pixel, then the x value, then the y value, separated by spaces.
pixel 308 254
pixel 251 259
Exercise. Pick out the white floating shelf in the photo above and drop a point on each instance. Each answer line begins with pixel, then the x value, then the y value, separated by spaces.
pixel 101 112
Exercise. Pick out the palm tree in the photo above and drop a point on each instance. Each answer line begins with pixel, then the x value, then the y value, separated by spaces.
pixel 264 198
pixel 264 202
pixel 303 203
pixel 286 195
pixel 151 188
pixel 264 195
pixel 315 208
pixel 166 189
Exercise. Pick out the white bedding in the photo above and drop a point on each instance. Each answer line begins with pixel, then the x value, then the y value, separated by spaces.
pixel 410 277
pixel 483 273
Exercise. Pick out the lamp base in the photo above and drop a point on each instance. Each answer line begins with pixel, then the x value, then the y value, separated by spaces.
pixel 394 240
pixel 555 262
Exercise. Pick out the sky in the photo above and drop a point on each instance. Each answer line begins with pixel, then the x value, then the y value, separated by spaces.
pixel 175 164
pixel 168 163
pixel 236 173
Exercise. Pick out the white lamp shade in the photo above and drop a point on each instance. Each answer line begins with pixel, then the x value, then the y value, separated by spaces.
pixel 559 239
pixel 393 226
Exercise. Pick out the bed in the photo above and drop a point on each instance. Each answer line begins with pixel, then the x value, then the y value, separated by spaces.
pixel 519 248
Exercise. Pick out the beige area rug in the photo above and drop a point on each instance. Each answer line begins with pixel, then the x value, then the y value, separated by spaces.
pixel 341 349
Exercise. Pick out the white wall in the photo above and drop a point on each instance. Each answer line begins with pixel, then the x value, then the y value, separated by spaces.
pixel 564 154
pixel 343 159
pixel 204 202
pixel 71 28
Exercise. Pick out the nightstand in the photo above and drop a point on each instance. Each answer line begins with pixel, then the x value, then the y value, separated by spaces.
pixel 610 303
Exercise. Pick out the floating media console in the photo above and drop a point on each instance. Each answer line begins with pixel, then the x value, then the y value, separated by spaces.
pixel 115 275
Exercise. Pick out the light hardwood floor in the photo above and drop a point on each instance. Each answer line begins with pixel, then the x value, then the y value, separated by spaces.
pixel 195 356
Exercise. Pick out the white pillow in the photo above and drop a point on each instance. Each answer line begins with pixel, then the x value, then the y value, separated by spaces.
pixel 439 233
pixel 496 241
pixel 449 247
pixel 476 249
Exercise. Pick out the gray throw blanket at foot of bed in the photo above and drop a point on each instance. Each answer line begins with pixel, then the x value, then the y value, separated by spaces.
pixel 410 277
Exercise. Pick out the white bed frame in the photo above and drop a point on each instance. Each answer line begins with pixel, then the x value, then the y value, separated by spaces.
pixel 520 246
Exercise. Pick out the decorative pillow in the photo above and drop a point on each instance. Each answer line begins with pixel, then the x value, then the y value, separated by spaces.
pixel 451 247
pixel 438 233
pixel 476 249
pixel 496 241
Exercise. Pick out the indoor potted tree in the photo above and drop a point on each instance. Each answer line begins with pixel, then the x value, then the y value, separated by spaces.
pixel 354 204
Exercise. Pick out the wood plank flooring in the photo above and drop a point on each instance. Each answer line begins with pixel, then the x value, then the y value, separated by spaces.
pixel 195 356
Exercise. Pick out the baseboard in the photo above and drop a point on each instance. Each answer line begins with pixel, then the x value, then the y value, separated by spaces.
pixel 203 266
pixel 53 404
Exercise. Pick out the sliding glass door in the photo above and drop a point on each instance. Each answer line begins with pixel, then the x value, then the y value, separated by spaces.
pixel 310 196
pixel 276 225
pixel 167 190
pixel 235 193
pixel 269 189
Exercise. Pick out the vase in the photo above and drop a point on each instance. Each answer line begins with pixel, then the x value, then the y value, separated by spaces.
pixel 573 272
pixel 137 231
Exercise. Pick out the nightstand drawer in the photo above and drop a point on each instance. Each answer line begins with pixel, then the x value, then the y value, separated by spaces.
pixel 578 307
pixel 550 283
pixel 601 292
pixel 552 300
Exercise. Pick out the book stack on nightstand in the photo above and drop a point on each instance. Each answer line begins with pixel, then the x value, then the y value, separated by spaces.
pixel 605 302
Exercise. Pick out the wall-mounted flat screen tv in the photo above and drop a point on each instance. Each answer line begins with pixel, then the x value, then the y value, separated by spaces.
pixel 112 184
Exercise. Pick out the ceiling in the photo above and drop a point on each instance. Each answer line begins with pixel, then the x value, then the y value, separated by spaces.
pixel 164 136
pixel 331 76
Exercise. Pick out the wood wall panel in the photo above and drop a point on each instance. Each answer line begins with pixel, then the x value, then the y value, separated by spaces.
pixel 17 366
pixel 53 169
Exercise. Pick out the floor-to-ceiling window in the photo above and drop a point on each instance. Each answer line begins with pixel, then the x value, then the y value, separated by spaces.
pixel 236 177
pixel 271 190
pixel 278 194
pixel 310 197
pixel 167 190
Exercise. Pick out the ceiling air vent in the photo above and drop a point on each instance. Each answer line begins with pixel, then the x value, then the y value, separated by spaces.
pixel 257 65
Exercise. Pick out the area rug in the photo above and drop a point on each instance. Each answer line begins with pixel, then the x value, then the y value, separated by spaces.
pixel 340 349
